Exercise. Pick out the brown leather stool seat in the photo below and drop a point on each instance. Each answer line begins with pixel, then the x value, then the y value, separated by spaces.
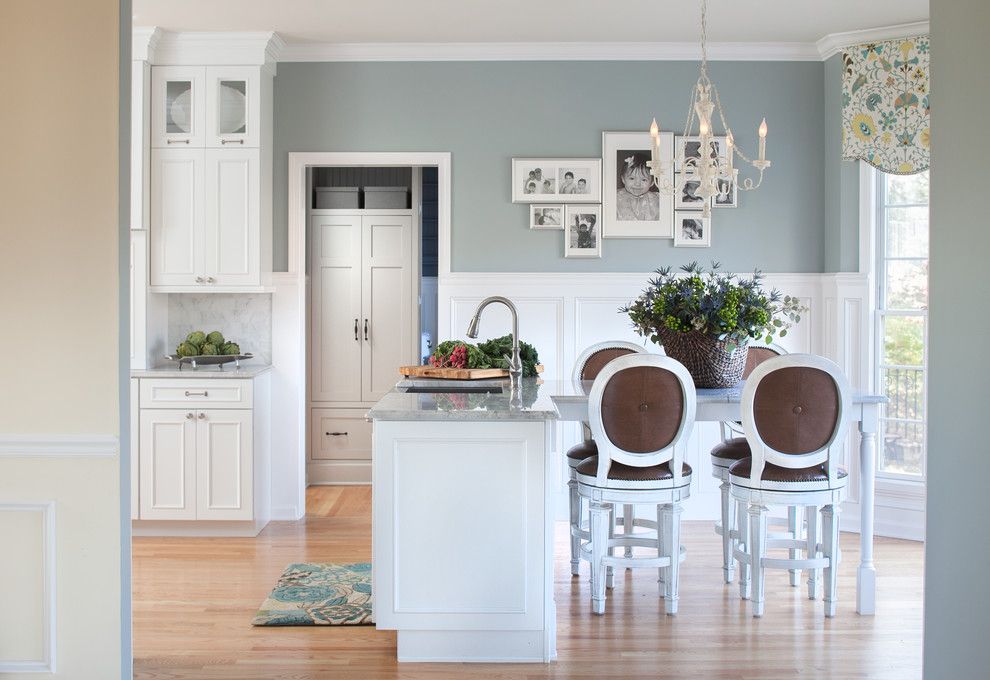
pixel 579 452
pixel 728 452
pixel 778 478
pixel 627 476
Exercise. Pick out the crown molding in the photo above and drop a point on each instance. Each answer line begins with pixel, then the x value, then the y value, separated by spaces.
pixel 836 42
pixel 219 48
pixel 550 51
pixel 144 41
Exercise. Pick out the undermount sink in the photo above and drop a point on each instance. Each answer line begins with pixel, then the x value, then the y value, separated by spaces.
pixel 454 389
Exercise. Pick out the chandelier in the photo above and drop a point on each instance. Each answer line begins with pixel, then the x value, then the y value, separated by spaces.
pixel 713 168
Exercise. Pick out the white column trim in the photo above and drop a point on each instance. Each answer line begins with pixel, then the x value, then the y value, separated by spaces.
pixel 46 664
pixel 55 445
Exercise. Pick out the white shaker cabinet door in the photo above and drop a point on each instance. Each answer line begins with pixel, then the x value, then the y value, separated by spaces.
pixel 233 107
pixel 177 217
pixel 232 236
pixel 337 330
pixel 225 453
pixel 386 323
pixel 168 464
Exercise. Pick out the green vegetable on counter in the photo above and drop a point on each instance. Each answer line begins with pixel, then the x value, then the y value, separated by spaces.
pixel 497 349
pixel 209 349
pixel 215 338
pixel 196 338
pixel 490 354
pixel 230 349
pixel 187 349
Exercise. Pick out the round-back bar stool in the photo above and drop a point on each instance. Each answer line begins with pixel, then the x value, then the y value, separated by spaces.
pixel 587 367
pixel 795 410
pixel 733 447
pixel 642 410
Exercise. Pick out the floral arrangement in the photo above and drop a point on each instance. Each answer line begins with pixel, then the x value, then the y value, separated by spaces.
pixel 718 305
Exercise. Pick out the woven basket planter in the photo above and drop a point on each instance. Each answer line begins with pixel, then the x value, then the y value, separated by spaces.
pixel 707 359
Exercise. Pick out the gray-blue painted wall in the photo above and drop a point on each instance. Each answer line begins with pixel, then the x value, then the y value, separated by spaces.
pixel 485 113
pixel 841 181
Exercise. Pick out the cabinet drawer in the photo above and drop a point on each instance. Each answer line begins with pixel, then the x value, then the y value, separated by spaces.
pixel 340 434
pixel 208 393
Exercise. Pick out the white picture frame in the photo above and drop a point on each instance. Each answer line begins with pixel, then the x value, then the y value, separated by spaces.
pixel 687 224
pixel 730 198
pixel 581 223
pixel 546 216
pixel 626 214
pixel 685 143
pixel 556 180
pixel 685 191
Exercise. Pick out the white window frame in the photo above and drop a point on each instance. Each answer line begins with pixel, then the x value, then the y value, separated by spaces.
pixel 900 499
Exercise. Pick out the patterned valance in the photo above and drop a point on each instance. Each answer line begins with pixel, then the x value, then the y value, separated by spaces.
pixel 885 90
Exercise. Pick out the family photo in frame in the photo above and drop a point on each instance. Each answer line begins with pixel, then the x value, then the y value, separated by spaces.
pixel 632 207
pixel 548 180
pixel 582 235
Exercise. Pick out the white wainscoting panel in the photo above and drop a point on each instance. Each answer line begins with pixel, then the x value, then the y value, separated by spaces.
pixel 27 588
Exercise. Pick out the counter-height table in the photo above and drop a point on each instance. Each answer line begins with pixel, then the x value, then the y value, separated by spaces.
pixel 463 521
pixel 571 400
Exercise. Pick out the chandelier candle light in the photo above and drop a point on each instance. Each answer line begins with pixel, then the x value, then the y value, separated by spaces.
pixel 708 169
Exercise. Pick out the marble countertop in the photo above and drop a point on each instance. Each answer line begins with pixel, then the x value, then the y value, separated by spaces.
pixel 245 371
pixel 532 403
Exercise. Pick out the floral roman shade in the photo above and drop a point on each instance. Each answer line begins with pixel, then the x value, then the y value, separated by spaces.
pixel 885 90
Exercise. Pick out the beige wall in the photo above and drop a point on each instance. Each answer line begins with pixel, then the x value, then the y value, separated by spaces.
pixel 59 328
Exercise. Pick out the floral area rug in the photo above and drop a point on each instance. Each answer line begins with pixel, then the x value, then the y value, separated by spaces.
pixel 319 595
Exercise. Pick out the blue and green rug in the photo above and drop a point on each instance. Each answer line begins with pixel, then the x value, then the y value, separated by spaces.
pixel 319 595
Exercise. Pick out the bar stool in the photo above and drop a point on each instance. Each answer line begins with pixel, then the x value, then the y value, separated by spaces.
pixel 642 410
pixel 795 410
pixel 733 447
pixel 587 367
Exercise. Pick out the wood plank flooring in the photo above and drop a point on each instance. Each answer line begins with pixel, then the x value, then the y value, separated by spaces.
pixel 194 600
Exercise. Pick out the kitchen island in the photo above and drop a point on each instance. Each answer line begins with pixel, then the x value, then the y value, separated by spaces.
pixel 462 521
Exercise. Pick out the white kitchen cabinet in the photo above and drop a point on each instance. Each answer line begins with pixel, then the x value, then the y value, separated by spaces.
pixel 178 217
pixel 178 106
pixel 233 106
pixel 364 326
pixel 204 454
pixel 232 235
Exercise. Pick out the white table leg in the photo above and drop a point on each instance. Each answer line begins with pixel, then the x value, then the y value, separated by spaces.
pixel 866 575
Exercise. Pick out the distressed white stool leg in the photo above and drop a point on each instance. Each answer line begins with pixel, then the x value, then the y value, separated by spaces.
pixel 812 550
pixel 758 540
pixel 830 520
pixel 728 561
pixel 742 528
pixel 628 525
pixel 610 571
pixel 794 529
pixel 672 536
pixel 598 517
pixel 575 511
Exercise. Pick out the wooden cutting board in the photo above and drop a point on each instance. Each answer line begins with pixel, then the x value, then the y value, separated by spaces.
pixel 453 373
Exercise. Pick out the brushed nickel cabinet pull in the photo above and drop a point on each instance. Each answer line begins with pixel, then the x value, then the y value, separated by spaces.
pixel 204 393
pixel 176 141
pixel 231 141
pixel 336 434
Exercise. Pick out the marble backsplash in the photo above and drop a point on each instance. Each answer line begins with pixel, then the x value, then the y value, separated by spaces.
pixel 242 317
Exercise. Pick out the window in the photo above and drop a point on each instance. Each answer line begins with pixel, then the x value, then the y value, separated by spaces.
pixel 902 322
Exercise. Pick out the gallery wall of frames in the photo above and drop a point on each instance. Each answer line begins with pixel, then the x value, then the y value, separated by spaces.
pixel 615 196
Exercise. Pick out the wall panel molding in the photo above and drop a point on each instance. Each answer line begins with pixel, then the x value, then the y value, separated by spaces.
pixel 54 445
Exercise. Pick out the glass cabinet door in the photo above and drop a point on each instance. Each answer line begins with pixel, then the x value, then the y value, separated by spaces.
pixel 232 93
pixel 177 113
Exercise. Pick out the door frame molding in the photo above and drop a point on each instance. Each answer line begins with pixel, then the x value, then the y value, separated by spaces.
pixel 290 343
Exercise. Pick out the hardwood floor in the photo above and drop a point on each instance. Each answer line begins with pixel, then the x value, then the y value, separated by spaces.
pixel 194 600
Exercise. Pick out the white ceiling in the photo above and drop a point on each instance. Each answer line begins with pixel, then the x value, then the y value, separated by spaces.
pixel 532 21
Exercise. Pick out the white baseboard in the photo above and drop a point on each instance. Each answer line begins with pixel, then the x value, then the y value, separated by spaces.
pixel 287 513
pixel 343 472
pixel 196 529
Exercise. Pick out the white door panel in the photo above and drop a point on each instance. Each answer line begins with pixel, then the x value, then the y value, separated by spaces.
pixel 225 452
pixel 168 464
pixel 232 236
pixel 177 195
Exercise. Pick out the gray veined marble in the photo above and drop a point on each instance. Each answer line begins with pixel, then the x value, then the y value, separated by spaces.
pixel 245 318
pixel 532 402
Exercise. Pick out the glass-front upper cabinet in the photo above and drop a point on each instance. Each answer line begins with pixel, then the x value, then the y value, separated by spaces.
pixel 178 111
pixel 233 106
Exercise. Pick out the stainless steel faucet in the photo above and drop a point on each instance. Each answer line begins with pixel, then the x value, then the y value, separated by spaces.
pixel 515 362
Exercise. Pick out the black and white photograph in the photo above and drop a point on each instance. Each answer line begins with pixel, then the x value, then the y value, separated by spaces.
pixel 686 195
pixel 546 217
pixel 574 180
pixel 691 147
pixel 582 236
pixel 692 230
pixel 633 207
pixel 728 192
pixel 542 180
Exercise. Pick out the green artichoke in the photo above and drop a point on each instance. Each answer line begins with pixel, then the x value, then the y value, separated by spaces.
pixel 215 338
pixel 196 338
pixel 187 349
pixel 230 349
pixel 209 349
